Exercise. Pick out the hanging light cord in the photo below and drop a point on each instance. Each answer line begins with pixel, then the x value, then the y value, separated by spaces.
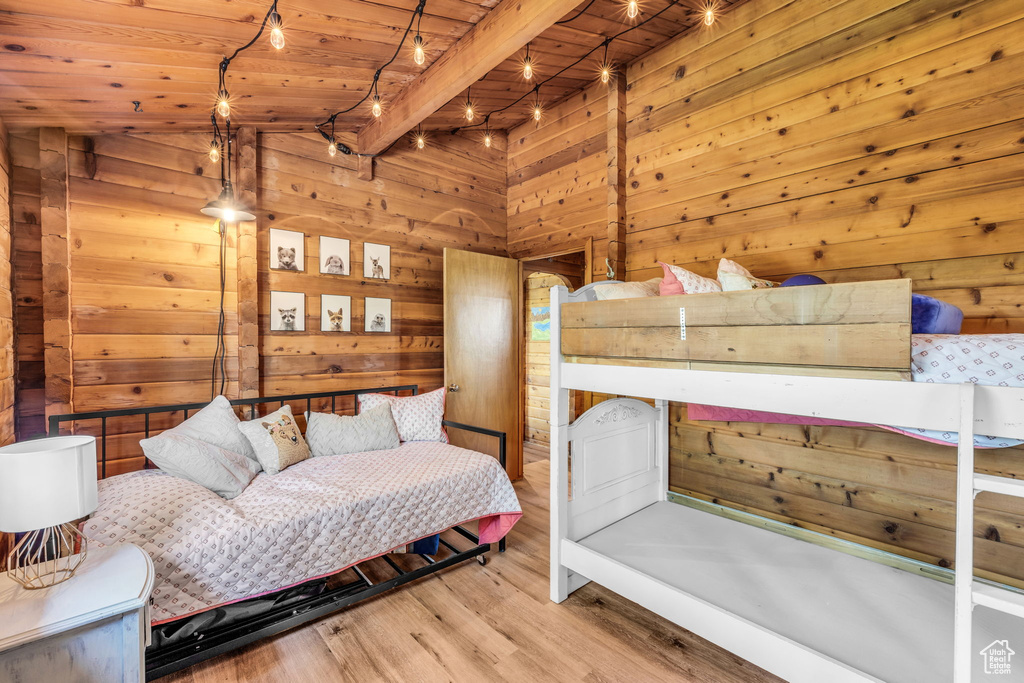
pixel 345 149
pixel 577 15
pixel 605 43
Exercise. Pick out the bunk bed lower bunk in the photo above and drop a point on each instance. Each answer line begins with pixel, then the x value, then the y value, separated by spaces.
pixel 802 611
pixel 297 545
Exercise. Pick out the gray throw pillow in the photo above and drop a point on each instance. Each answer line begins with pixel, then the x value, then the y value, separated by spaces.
pixel 216 424
pixel 372 430
pixel 224 472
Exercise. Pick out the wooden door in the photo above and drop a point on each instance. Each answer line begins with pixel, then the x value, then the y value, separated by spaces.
pixel 482 323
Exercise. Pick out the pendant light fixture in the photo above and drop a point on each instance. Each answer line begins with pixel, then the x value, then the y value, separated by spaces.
pixel 528 64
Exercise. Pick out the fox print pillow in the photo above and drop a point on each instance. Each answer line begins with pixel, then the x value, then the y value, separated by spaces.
pixel 276 439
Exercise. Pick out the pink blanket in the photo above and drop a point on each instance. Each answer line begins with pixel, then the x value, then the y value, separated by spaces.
pixel 314 519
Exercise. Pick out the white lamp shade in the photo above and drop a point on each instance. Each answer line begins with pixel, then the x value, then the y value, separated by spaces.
pixel 47 482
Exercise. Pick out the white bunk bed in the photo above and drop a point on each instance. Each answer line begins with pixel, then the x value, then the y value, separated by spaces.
pixel 797 609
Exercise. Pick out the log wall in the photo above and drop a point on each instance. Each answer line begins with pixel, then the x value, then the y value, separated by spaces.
pixel 853 139
pixel 856 140
pixel 144 275
pixel 6 302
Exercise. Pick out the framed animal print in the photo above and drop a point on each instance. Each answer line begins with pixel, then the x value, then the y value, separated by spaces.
pixel 287 250
pixel 334 256
pixel 376 261
pixel 377 314
pixel 287 311
pixel 335 313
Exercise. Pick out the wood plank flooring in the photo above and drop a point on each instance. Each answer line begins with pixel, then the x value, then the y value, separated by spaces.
pixel 492 623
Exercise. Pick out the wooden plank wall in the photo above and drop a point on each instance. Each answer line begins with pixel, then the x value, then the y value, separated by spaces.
pixel 538 361
pixel 558 180
pixel 450 194
pixel 26 257
pixel 6 302
pixel 858 140
pixel 144 266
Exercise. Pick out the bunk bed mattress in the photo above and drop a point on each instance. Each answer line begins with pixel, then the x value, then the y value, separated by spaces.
pixel 986 359
pixel 311 520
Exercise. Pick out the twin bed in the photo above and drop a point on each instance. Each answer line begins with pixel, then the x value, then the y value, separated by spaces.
pixel 229 572
pixel 779 596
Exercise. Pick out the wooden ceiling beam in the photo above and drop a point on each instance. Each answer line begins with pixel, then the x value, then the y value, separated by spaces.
pixel 506 29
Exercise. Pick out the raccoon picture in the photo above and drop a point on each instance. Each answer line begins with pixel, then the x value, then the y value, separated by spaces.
pixel 337 320
pixel 379 323
pixel 287 319
pixel 286 258
pixel 334 265
pixel 378 269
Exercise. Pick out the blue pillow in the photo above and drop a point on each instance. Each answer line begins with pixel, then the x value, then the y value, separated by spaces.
pixel 931 316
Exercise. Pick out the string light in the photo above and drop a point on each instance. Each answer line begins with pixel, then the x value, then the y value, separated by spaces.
pixel 214 151
pixel 421 139
pixel 632 9
pixel 276 34
pixel 223 107
pixel 487 132
pixel 375 106
pixel 469 106
pixel 332 148
pixel 419 55
pixel 528 64
pixel 536 105
pixel 606 68
pixel 487 140
pixel 709 14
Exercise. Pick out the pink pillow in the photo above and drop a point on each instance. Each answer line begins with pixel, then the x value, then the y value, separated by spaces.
pixel 681 281
pixel 418 417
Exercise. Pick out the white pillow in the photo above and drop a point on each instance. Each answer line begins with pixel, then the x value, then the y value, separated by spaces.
pixel 418 417
pixel 627 290
pixel 371 430
pixel 734 277
pixel 224 472
pixel 276 439
pixel 217 425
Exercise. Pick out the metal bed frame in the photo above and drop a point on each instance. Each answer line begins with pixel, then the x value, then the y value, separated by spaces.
pixel 203 645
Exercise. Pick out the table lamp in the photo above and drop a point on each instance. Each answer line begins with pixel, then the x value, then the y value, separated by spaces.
pixel 44 485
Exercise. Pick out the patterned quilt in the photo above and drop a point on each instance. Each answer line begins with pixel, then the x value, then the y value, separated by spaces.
pixel 311 520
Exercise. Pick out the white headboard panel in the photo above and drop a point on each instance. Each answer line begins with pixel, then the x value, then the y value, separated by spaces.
pixel 615 466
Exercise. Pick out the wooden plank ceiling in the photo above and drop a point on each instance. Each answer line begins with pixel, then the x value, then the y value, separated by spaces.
pixel 81 64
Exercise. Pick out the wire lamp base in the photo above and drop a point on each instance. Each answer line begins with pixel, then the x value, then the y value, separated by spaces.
pixel 47 557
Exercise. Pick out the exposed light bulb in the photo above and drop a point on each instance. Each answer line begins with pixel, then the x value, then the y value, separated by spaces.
pixel 527 68
pixel 487 140
pixel 229 216
pixel 332 148
pixel 214 152
pixel 223 108
pixel 421 141
pixel 536 112
pixel 632 9
pixel 375 107
pixel 469 111
pixel 606 73
pixel 277 37
pixel 709 15
pixel 419 55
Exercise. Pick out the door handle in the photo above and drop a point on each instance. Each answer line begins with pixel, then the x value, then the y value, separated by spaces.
pixel 453 387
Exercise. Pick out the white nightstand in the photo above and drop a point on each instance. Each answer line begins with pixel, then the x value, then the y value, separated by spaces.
pixel 92 628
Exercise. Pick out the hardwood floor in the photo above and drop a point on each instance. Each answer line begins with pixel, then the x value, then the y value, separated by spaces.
pixel 492 623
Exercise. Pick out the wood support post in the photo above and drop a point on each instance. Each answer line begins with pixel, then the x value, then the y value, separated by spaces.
pixel 56 257
pixel 616 155
pixel 247 268
pixel 6 304
pixel 365 168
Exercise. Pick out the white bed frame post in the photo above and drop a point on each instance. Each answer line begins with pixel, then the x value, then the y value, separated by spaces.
pixel 964 569
pixel 559 426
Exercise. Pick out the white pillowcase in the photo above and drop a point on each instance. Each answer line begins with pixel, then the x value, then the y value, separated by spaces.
pixel 215 424
pixel 224 472
pixel 627 290
pixel 371 430
pixel 734 277
pixel 418 417
pixel 276 439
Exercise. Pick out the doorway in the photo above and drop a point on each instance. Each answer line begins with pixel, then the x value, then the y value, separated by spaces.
pixel 539 276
